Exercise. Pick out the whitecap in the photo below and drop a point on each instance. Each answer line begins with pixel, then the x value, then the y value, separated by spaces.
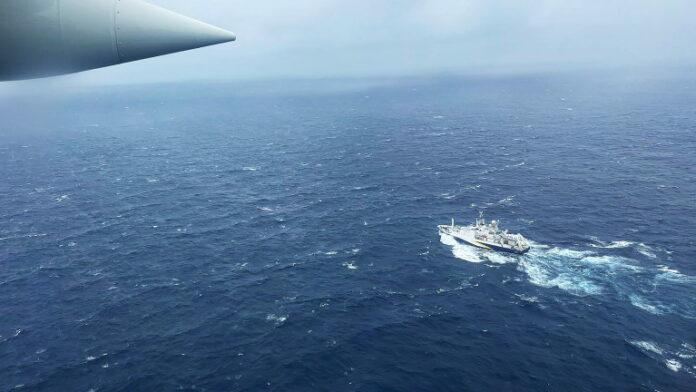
pixel 326 253
pixel 527 298
pixel 23 236
pixel 276 319
pixel 640 247
pixel 619 244
pixel 350 265
pixel 642 303
pixel 689 347
pixel 364 188
pixel 674 276
pixel 509 200
pixel 645 250
pixel 667 269
pixel 463 285
pixel 647 346
pixel 673 364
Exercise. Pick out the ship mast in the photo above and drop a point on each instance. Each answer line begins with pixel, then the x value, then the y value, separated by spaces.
pixel 480 221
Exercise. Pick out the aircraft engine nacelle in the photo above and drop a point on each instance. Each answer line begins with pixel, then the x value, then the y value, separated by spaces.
pixel 41 38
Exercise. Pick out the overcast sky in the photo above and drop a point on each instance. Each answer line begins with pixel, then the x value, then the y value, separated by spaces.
pixel 337 38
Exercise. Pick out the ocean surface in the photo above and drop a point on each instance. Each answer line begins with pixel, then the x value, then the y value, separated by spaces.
pixel 282 236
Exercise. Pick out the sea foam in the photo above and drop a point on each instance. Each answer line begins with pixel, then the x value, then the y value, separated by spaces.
pixel 461 251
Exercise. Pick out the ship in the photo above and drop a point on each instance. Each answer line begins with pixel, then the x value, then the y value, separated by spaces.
pixel 487 236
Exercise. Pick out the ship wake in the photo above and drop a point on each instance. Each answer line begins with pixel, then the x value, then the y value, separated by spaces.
pixel 594 271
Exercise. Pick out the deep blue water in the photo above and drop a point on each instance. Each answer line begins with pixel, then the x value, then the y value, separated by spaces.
pixel 282 237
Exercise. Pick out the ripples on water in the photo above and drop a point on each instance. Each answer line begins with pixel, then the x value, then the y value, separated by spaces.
pixel 208 238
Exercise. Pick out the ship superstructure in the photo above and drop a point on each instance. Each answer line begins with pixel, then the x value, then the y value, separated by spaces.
pixel 487 236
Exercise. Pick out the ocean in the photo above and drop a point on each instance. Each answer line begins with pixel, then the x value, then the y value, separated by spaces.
pixel 282 236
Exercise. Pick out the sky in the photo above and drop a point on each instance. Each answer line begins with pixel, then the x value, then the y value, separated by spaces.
pixel 374 38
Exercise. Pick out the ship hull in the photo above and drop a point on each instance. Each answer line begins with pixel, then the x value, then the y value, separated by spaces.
pixel 507 250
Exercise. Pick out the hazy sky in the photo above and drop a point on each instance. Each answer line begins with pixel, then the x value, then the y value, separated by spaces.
pixel 336 38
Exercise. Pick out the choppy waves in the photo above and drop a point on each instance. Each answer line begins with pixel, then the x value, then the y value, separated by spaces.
pixel 220 243
pixel 639 247
pixel 677 359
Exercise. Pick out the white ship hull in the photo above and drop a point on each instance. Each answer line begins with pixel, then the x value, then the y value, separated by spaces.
pixel 467 235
